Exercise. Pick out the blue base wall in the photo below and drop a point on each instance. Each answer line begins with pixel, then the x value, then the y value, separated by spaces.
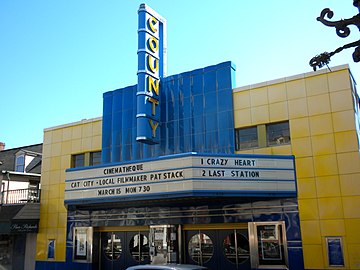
pixel 219 212
pixel 48 265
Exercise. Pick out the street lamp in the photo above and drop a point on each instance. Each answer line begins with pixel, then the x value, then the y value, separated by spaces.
pixel 343 31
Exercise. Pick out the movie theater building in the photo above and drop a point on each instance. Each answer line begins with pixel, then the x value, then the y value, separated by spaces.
pixel 190 169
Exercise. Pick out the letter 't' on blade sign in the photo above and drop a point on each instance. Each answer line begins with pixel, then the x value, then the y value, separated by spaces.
pixel 151 68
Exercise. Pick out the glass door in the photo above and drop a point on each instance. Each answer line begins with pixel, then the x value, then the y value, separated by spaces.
pixel 201 248
pixel 138 244
pixel 218 249
pixel 235 249
pixel 120 250
pixel 112 250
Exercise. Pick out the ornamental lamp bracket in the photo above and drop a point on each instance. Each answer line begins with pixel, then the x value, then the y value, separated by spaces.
pixel 343 31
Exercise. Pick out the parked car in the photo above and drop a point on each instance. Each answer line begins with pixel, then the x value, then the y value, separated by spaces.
pixel 168 266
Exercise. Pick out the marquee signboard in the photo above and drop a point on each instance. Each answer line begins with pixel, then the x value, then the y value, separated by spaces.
pixel 181 175
pixel 151 67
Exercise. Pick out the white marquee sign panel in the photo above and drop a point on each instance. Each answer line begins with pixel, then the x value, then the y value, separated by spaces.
pixel 192 173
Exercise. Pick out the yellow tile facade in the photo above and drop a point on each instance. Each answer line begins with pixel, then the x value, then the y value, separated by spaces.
pixel 59 143
pixel 320 109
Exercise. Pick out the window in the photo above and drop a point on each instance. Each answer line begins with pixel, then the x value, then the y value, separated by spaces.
pixel 277 133
pixel 246 138
pixel 271 134
pixel 95 158
pixel 86 159
pixel 236 248
pixel 78 160
pixel 113 247
pixel 356 101
pixel 200 248
pixel 139 247
pixel 20 163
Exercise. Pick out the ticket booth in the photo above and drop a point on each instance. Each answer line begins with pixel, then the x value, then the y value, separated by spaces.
pixel 164 247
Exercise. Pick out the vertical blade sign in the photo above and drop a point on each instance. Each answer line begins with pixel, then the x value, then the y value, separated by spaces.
pixel 151 68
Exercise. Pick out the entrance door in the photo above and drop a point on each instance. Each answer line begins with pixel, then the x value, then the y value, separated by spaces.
pixel 235 248
pixel 138 248
pixel 218 249
pixel 120 250
pixel 201 248
pixel 112 250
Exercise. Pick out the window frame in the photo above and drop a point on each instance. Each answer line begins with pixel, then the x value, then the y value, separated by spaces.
pixel 262 135
pixel 74 160
pixel 20 165
pixel 93 158
pixel 238 138
pixel 87 159
pixel 279 139
pixel 335 242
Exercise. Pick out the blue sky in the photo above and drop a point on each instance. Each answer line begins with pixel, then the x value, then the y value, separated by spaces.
pixel 57 58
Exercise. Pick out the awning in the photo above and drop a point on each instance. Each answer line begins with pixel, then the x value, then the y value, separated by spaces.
pixel 19 218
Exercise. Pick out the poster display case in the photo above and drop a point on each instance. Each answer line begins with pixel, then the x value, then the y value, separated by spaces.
pixel 268 247
pixel 82 244
pixel 269 243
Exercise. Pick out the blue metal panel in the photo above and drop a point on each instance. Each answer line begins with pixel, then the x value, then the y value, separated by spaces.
pixel 296 261
pixel 225 102
pixel 197 84
pixel 210 103
pixel 186 107
pixel 55 265
pixel 107 128
pixel 186 86
pixel 211 122
pixel 199 142
pixel 225 75
pixel 293 221
pixel 116 138
pixel 210 82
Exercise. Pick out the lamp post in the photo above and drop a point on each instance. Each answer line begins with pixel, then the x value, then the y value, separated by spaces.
pixel 343 31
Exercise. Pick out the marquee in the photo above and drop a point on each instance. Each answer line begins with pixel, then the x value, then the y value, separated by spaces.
pixel 183 175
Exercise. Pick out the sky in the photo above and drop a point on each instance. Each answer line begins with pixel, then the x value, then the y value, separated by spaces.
pixel 58 57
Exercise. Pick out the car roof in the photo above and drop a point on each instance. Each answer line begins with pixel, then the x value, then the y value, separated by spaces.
pixel 167 267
